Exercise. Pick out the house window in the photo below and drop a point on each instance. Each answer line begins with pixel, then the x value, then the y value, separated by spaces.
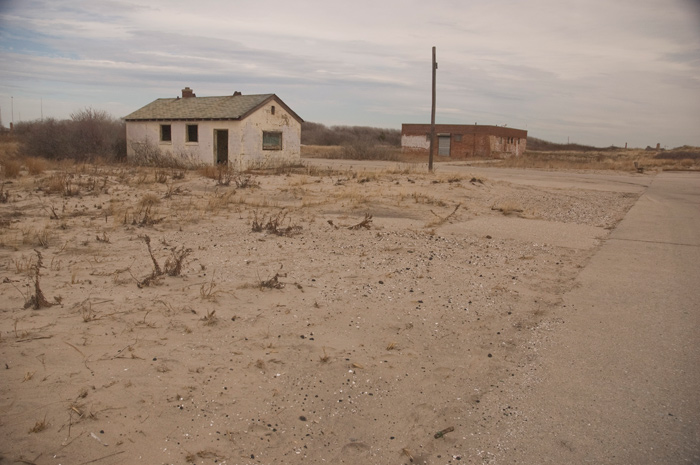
pixel 165 133
pixel 272 140
pixel 272 109
pixel 192 133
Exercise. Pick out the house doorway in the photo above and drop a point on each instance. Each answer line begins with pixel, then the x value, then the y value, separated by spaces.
pixel 444 145
pixel 221 146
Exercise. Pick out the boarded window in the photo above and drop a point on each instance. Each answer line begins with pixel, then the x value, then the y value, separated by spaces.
pixel 444 145
pixel 165 133
pixel 192 133
pixel 458 137
pixel 272 140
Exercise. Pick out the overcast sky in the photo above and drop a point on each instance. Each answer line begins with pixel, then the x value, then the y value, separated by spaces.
pixel 598 72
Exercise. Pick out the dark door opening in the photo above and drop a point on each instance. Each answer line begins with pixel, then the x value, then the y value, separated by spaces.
pixel 221 146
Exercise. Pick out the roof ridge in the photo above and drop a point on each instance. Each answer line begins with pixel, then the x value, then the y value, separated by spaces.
pixel 234 107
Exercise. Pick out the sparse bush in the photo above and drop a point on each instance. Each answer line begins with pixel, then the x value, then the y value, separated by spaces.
pixel 146 211
pixel 243 181
pixel 318 134
pixel 680 153
pixel 363 150
pixel 149 154
pixel 88 135
pixel 173 265
pixel 540 145
pixel 274 224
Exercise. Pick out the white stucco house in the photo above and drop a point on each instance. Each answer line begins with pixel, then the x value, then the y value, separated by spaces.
pixel 238 130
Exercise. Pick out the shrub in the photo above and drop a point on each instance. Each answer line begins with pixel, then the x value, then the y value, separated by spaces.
pixel 363 150
pixel 89 134
pixel 318 134
pixel 10 168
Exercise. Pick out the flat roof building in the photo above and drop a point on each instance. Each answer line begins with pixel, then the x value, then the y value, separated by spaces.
pixel 459 141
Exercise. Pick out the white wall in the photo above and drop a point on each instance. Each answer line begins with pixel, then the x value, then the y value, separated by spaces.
pixel 415 142
pixel 250 150
pixel 499 145
pixel 148 132
pixel 245 138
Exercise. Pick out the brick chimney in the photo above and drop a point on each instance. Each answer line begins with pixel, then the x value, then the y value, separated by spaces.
pixel 187 93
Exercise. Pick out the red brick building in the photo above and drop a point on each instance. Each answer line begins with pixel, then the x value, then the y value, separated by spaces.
pixel 457 141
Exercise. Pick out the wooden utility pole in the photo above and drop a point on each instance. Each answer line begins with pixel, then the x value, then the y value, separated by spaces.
pixel 432 118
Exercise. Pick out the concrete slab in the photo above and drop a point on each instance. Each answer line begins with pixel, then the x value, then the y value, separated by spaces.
pixel 620 381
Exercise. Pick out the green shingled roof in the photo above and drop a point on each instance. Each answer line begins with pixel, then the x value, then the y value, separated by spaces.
pixel 230 107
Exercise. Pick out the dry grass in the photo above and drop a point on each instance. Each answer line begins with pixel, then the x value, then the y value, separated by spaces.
pixel 210 318
pixel 681 158
pixel 36 165
pixel 440 220
pixel 325 357
pixel 10 168
pixel 274 224
pixel 320 151
pixel 508 207
pixel 208 291
pixel 617 160
pixel 219 200
pixel 39 426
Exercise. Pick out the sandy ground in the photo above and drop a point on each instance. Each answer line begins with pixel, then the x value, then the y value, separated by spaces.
pixel 383 317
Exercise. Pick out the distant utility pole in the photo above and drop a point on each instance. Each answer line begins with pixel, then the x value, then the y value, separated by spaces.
pixel 432 118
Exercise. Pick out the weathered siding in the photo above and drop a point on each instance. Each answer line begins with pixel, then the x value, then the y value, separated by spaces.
pixel 250 152
pixel 202 152
pixel 415 142
pixel 245 138
pixel 467 140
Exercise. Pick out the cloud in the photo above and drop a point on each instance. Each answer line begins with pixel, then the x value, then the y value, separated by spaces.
pixel 603 70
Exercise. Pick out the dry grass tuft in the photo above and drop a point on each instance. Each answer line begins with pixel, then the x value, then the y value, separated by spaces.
pixel 39 426
pixel 441 220
pixel 274 224
pixel 244 181
pixel 23 264
pixel 366 223
pixel 10 168
pixel 210 318
pixel 146 211
pixel 4 195
pixel 38 301
pixel 36 165
pixel 173 265
pixel 208 291
pixel 508 207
